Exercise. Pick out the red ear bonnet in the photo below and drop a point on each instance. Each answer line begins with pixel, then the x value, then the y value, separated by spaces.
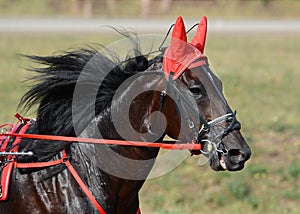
pixel 200 37
pixel 176 52
pixel 181 54
pixel 178 42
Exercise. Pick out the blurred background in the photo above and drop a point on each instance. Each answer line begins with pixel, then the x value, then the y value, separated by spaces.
pixel 253 45
pixel 232 9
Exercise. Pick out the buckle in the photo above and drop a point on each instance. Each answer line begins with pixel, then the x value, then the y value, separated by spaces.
pixel 23 120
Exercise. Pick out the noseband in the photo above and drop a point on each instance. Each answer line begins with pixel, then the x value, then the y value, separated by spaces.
pixel 184 107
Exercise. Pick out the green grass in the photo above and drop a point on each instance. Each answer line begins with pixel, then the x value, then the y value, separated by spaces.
pixel 264 71
pixel 260 74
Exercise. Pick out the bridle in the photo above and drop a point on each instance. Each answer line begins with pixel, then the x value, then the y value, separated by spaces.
pixel 180 56
pixel 185 110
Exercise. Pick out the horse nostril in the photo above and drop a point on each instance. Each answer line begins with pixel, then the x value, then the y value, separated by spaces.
pixel 234 152
pixel 237 156
pixel 246 153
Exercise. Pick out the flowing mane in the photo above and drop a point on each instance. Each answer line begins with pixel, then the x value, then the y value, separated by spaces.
pixel 54 86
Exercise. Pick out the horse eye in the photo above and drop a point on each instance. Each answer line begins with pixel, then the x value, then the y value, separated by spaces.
pixel 198 92
pixel 195 90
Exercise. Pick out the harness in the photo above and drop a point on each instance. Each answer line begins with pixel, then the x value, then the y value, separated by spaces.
pixel 185 109
pixel 11 137
pixel 8 152
pixel 8 160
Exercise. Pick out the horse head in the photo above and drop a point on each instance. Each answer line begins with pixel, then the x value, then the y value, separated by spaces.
pixel 196 97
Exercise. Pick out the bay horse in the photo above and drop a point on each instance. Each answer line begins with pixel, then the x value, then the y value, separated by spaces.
pixel 84 93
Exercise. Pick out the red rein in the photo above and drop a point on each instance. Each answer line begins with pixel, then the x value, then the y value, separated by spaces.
pixel 172 145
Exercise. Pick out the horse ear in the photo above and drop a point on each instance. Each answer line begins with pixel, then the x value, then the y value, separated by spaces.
pixel 200 37
pixel 179 30
pixel 179 40
pixel 176 53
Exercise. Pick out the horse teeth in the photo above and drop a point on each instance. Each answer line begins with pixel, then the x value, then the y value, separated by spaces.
pixel 222 163
pixel 209 147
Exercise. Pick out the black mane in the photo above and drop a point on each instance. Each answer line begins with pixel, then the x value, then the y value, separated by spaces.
pixel 54 86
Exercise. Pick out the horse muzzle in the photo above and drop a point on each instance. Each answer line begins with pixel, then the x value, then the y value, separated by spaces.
pixel 235 159
pixel 221 158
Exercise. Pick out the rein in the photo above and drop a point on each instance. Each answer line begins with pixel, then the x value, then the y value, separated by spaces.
pixel 9 146
pixel 171 145
pixel 11 140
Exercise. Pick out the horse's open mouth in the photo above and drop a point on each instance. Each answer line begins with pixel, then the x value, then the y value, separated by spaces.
pixel 222 152
pixel 222 162
pixel 228 161
pixel 217 161
pixel 217 155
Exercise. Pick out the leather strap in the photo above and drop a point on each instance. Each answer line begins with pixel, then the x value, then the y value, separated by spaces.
pixel 81 183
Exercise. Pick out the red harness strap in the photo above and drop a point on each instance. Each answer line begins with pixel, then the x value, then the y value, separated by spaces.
pixel 9 144
pixel 172 145
pixel 65 160
pixel 81 184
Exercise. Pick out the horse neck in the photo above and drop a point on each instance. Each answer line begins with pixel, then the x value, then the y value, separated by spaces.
pixel 115 194
pixel 121 170
pixel 110 176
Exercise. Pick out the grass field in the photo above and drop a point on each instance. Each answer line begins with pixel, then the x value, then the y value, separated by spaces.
pixel 260 74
